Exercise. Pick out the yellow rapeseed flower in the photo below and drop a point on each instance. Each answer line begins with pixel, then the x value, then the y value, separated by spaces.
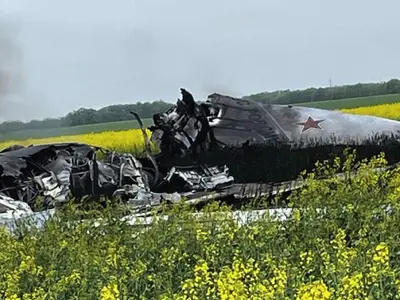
pixel 314 290
pixel 381 254
pixel 123 141
pixel 352 287
pixel 389 111
pixel 13 297
pixel 38 294
pixel 110 291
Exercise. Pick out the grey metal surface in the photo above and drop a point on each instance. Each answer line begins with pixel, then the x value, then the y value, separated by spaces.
pixel 240 120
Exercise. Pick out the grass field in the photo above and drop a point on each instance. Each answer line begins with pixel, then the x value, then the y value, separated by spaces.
pixel 129 141
pixel 389 111
pixel 353 102
pixel 74 130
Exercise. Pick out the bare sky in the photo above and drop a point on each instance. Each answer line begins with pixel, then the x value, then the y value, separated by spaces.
pixel 92 53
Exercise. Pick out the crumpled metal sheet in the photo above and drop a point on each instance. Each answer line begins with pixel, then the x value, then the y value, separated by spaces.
pixel 9 208
pixel 201 178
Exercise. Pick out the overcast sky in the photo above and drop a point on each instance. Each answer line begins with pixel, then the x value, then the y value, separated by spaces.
pixel 62 55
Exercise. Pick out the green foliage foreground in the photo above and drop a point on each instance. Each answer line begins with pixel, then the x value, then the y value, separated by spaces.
pixel 340 242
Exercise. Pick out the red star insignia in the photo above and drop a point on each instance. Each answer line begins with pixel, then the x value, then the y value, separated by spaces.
pixel 310 123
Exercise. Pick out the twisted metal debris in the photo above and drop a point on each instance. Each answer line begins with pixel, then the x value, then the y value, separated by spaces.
pixel 43 177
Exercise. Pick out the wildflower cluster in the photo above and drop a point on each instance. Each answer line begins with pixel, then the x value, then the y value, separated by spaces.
pixel 341 242
pixel 389 111
pixel 123 141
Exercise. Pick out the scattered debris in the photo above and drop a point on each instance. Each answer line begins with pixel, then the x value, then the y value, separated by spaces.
pixel 42 177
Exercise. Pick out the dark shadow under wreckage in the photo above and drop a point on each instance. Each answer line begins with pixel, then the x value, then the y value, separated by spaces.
pixel 282 162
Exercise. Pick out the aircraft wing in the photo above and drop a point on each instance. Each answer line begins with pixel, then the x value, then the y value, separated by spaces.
pixel 239 120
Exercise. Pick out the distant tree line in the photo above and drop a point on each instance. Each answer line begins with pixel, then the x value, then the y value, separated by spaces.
pixel 328 93
pixel 84 116
pixel 120 112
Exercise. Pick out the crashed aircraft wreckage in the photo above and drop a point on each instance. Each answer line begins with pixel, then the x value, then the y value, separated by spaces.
pixel 54 174
pixel 57 173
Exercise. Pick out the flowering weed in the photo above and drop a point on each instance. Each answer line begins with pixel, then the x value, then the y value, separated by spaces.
pixel 341 242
